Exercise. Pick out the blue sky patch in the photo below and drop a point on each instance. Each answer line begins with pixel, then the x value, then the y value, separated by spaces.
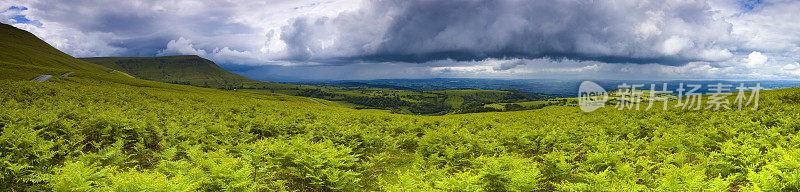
pixel 21 18
pixel 24 20
pixel 748 5
pixel 17 8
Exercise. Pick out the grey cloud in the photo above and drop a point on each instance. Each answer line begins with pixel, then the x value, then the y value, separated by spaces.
pixel 333 72
pixel 509 65
pixel 142 28
pixel 314 39
pixel 610 31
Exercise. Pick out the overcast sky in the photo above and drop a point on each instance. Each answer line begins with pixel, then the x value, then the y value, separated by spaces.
pixel 289 40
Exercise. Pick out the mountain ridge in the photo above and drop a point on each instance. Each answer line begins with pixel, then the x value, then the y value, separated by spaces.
pixel 179 69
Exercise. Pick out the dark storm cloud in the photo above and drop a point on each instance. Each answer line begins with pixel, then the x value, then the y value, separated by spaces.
pixel 119 18
pixel 434 38
pixel 142 28
pixel 670 33
pixel 142 46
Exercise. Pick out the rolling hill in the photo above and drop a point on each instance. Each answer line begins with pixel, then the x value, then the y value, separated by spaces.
pixel 101 131
pixel 24 56
pixel 183 69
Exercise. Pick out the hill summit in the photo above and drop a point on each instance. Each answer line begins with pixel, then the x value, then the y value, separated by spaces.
pixel 183 69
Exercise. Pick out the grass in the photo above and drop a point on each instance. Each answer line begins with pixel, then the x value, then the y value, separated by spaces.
pixel 99 131
pixel 24 57
pixel 184 69
pixel 501 106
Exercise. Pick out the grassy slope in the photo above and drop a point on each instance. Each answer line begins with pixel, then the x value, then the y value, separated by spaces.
pixel 107 132
pixel 190 70
pixel 184 69
pixel 24 56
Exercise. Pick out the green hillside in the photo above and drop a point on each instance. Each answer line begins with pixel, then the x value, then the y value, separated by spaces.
pixel 184 69
pixel 97 131
pixel 24 56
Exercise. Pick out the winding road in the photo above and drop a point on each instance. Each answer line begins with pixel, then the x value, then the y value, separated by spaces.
pixel 315 101
pixel 42 78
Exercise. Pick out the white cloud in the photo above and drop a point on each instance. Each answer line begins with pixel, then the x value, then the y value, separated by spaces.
pixel 791 66
pixel 755 59
pixel 791 69
pixel 771 27
pixel 686 39
pixel 675 44
pixel 181 47
pixel 237 28
pixel 74 42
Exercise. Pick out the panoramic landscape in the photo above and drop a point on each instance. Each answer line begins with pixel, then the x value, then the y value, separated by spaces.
pixel 397 95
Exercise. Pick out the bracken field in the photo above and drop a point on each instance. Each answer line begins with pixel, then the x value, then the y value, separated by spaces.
pixel 102 130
